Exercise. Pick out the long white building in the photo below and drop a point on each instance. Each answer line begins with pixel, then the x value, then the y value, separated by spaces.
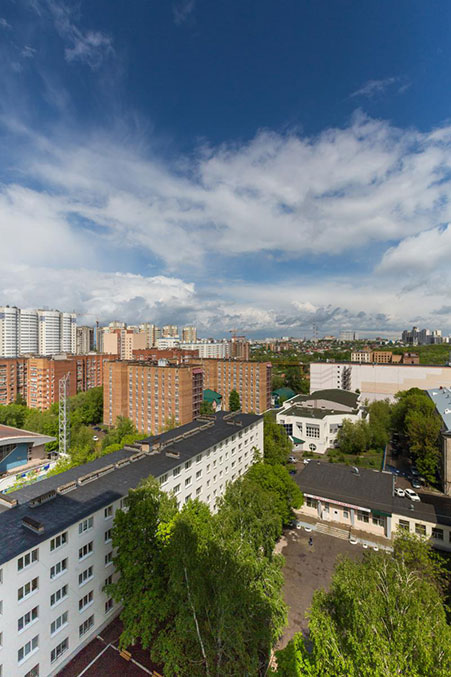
pixel 40 332
pixel 56 550
pixel 377 381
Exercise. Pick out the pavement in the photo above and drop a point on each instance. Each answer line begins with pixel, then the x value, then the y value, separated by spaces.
pixel 306 569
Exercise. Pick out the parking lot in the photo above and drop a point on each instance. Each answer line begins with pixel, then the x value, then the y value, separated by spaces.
pixel 308 568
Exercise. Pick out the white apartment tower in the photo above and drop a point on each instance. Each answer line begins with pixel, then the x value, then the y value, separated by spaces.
pixel 49 332
pixel 68 332
pixel 9 331
pixel 29 332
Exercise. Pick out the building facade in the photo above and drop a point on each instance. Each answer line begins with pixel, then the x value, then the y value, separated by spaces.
pixel 151 395
pixel 22 456
pixel 251 380
pixel 9 331
pixel 377 381
pixel 85 340
pixel 313 421
pixel 57 554
pixel 13 379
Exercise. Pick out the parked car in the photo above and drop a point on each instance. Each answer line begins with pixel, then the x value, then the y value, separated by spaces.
pixel 416 483
pixel 410 493
pixel 291 459
pixel 414 471
pixel 97 427
pixel 307 460
pixel 95 438
pixel 400 492
pixel 292 472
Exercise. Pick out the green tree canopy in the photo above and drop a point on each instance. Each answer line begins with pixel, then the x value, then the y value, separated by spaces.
pixel 277 445
pixel 277 481
pixel 234 401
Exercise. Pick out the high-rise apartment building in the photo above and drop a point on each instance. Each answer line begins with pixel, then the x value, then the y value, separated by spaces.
pixel 85 340
pixel 170 330
pixel 152 333
pixel 151 395
pixel 251 380
pixel 29 332
pixel 122 342
pixel 44 374
pixel 49 332
pixel 9 331
pixel 189 335
pixel 13 379
pixel 239 348
pixel 68 332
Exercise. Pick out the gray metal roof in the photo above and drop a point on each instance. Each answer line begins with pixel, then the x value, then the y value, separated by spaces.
pixel 370 489
pixel 441 397
pixel 66 509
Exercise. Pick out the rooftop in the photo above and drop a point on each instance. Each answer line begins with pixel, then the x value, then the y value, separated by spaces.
pixel 303 405
pixel 10 435
pixel 73 498
pixel 370 489
pixel 441 397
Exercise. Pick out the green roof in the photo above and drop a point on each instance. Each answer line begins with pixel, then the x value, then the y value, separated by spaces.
pixel 212 396
pixel 286 393
pixel 296 440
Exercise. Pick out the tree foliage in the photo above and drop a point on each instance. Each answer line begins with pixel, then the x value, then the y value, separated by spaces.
pixel 277 445
pixel 383 616
pixel 234 401
pixel 206 408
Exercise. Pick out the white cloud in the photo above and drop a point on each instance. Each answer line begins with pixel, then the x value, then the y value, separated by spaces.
pixel 183 10
pixel 4 23
pixel 427 251
pixel 374 87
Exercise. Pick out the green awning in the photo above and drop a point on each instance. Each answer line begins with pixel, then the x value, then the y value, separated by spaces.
pixel 380 513
pixel 296 440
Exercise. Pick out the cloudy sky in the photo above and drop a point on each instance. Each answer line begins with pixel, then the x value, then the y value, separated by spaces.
pixel 264 165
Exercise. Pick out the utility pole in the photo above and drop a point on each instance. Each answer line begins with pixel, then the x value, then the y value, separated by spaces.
pixel 64 430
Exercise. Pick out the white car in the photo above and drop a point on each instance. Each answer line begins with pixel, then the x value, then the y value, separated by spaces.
pixel 95 438
pixel 307 460
pixel 410 493
pixel 292 459
pixel 400 492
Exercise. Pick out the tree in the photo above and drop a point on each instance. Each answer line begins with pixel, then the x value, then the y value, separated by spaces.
pixel 277 445
pixel 200 597
pixel 13 414
pixel 206 408
pixel 234 401
pixel 383 616
pixel 277 481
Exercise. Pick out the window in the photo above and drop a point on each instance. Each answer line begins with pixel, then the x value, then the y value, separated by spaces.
pixel 163 478
pixel 404 524
pixel 109 605
pixel 346 514
pixel 437 533
pixel 34 672
pixel 85 575
pixel 28 589
pixel 176 489
pixel 362 516
pixel 187 481
pixel 378 521
pixel 85 626
pixel 198 458
pixel 187 465
pixel 85 550
pixel 59 623
pixel 28 648
pixel 27 559
pixel 86 525
pixel 198 490
pixel 86 600
pixel 108 512
pixel 58 595
pixel 58 651
pixel 28 618
pixel 108 535
pixel 176 472
pixel 311 430
pixel 108 580
pixel 420 529
pixel 58 568
pixel 58 541
pixel 108 558
pixel 198 474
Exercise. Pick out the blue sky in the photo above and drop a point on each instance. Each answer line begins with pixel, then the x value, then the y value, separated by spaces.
pixel 260 165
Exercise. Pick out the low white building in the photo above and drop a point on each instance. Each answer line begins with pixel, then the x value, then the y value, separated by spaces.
pixel 313 421
pixel 56 550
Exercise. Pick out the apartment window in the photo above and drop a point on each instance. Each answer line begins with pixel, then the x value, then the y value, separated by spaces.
pixel 109 605
pixel 85 601
pixel 108 535
pixel 378 521
pixel 108 580
pixel 123 504
pixel 34 672
pixel 187 465
pixel 346 514
pixel 85 550
pixel 27 559
pixel 176 472
pixel 437 533
pixel 187 481
pixel 198 458
pixel 58 568
pixel 108 558
pixel 187 497
pixel 420 529
pixel 27 619
pixel 27 649
pixel 163 478
pixel 108 512
pixel 59 623
pixel 208 468
pixel 58 651
pixel 59 595
pixel 362 516
pixel 311 430
pixel 404 524
pixel 311 502
pixel 198 490
pixel 86 525
pixel 58 541
pixel 85 626
pixel 28 589
pixel 85 575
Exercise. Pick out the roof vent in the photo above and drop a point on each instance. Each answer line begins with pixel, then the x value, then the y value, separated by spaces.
pixel 173 453
pixel 32 524
pixel 137 457
pixel 65 488
pixel 8 502
pixel 43 498
pixel 122 462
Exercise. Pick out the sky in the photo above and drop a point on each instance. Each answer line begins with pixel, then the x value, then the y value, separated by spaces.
pixel 258 165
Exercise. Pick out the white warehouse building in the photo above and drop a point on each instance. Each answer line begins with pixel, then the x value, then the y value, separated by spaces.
pixel 56 550
pixel 313 421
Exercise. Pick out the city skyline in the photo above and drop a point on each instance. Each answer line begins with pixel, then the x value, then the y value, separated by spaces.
pixel 226 166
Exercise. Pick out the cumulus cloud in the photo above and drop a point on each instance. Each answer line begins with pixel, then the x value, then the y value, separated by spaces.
pixel 422 253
